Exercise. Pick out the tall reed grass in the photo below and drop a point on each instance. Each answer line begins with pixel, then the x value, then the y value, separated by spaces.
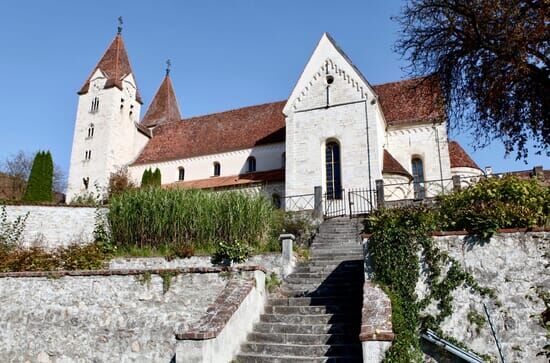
pixel 155 217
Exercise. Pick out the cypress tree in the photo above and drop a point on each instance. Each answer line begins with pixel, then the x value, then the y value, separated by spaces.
pixel 157 178
pixel 39 185
pixel 146 178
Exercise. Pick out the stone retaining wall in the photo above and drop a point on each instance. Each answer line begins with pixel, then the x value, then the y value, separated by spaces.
pixel 54 226
pixel 104 316
pixel 516 266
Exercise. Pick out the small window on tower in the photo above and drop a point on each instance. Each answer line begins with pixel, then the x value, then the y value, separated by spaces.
pixel 91 131
pixel 95 105
pixel 88 155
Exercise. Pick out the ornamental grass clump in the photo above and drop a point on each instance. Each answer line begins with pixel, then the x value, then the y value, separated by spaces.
pixel 156 218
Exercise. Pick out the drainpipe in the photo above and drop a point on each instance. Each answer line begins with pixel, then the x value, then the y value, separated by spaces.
pixel 439 156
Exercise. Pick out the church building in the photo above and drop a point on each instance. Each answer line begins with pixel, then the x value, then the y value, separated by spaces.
pixel 336 132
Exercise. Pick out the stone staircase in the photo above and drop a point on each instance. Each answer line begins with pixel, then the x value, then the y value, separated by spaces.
pixel 316 316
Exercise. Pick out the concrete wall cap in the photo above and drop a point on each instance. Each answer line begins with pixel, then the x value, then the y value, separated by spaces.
pixel 287 236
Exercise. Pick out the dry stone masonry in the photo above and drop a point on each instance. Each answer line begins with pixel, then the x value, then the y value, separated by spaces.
pixel 516 266
pixel 103 316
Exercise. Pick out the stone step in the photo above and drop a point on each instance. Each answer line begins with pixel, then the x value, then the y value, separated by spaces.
pixel 319 292
pixel 282 328
pixel 311 319
pixel 315 301
pixel 261 358
pixel 330 269
pixel 312 310
pixel 297 350
pixel 291 279
pixel 306 339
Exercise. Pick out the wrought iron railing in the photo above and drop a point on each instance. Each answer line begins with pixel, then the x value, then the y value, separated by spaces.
pixel 299 202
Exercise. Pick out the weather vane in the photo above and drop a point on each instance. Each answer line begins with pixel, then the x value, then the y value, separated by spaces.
pixel 168 65
pixel 120 22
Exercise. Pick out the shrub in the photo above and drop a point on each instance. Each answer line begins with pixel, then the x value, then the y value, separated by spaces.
pixel 40 184
pixel 155 217
pixel 11 232
pixel 119 182
pixel 73 257
pixel 494 203
pixel 236 251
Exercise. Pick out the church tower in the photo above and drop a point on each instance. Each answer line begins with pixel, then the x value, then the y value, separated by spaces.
pixel 107 135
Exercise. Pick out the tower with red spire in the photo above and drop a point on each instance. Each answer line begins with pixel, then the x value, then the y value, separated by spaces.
pixel 107 134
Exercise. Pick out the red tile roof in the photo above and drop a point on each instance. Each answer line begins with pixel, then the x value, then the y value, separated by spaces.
pixel 115 65
pixel 402 102
pixel 411 101
pixel 392 166
pixel 220 132
pixel 459 157
pixel 228 181
pixel 164 107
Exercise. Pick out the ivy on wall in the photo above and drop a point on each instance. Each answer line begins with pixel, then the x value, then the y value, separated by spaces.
pixel 400 241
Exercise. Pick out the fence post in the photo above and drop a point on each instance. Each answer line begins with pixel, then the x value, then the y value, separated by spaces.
pixel 538 172
pixel 380 193
pixel 287 258
pixel 456 183
pixel 318 202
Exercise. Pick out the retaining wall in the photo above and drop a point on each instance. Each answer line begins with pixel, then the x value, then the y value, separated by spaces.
pixel 104 316
pixel 54 226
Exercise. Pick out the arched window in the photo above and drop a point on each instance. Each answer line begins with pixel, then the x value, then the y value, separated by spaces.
pixel 283 160
pixel 217 169
pixel 91 131
pixel 95 105
pixel 418 178
pixel 333 172
pixel 251 164
pixel 181 173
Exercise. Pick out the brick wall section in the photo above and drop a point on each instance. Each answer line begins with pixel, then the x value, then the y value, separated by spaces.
pixel 376 314
pixel 219 312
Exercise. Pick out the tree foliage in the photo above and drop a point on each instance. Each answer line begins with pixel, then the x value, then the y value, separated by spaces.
pixel 151 178
pixel 19 166
pixel 40 183
pixel 492 59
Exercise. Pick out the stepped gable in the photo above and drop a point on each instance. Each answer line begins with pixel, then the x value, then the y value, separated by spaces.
pixel 459 157
pixel 164 107
pixel 392 166
pixel 115 66
pixel 216 133
pixel 411 101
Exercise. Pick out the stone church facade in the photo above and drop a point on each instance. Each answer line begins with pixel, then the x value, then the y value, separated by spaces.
pixel 335 131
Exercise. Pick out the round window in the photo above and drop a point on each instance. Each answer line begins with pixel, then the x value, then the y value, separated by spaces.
pixel 330 79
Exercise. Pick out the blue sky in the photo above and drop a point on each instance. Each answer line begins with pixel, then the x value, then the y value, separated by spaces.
pixel 225 54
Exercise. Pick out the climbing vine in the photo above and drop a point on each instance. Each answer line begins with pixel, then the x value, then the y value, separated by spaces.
pixel 401 241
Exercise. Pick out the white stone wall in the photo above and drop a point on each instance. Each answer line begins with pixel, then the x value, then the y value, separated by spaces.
pixel 406 142
pixel 51 227
pixel 515 265
pixel 115 140
pixel 99 318
pixel 268 157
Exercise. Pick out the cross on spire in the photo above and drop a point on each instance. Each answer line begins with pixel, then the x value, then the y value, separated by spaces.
pixel 168 65
pixel 120 22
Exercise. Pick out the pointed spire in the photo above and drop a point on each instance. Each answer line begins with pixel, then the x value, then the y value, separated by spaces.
pixel 114 65
pixel 164 107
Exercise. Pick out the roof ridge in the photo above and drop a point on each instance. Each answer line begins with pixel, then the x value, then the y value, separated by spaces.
pixel 233 109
